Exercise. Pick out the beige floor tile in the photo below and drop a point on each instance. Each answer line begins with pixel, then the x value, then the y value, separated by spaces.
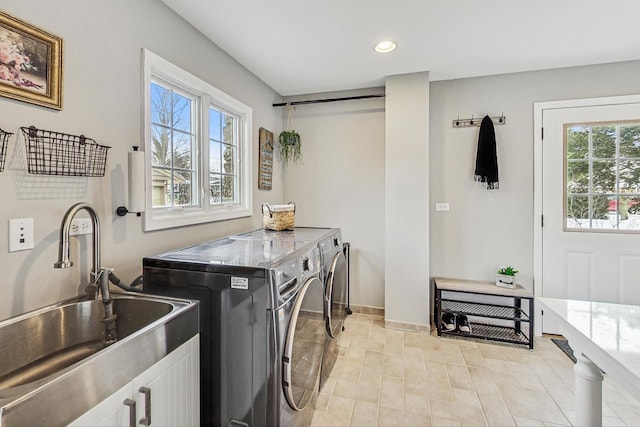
pixel 393 366
pixel 356 391
pixel 534 404
pixel 528 422
pixel 459 376
pixel 471 416
pixel 392 393
pixel 347 370
pixel 433 382
pixel 417 404
pixel 373 363
pixel 395 378
pixel 473 357
pixel 398 417
pixel 444 422
pixel 365 414
pixel 494 407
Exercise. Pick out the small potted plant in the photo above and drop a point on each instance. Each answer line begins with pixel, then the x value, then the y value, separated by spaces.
pixel 290 146
pixel 506 277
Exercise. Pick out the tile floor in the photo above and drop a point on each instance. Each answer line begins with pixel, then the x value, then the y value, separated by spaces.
pixel 386 377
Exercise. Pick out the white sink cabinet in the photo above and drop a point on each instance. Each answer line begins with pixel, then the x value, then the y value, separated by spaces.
pixel 174 386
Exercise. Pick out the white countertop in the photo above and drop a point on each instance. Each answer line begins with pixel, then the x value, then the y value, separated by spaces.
pixel 608 334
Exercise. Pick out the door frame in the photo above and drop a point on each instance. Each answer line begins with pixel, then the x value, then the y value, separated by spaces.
pixel 538 169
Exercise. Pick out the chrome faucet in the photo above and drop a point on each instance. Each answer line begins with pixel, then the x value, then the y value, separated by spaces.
pixel 99 280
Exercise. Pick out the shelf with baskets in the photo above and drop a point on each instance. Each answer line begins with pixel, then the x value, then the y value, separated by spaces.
pixel 4 142
pixel 506 321
pixel 57 153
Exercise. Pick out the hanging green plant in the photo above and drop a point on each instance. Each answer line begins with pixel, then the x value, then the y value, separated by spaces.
pixel 290 146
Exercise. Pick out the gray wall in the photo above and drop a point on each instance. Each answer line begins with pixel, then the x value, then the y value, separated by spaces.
pixel 102 99
pixel 340 182
pixel 486 229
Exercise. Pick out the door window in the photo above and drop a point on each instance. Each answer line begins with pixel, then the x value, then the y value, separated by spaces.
pixel 602 177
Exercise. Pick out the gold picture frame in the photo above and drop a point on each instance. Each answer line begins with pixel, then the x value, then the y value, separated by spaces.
pixel 30 63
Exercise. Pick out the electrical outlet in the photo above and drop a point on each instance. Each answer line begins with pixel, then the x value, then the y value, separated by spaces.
pixel 20 234
pixel 80 226
pixel 442 207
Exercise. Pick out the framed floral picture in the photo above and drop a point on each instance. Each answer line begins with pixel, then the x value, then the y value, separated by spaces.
pixel 30 63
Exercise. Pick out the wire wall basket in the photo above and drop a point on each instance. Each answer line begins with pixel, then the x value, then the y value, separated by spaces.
pixel 56 153
pixel 4 140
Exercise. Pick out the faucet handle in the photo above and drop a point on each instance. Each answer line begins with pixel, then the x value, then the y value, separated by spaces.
pixel 91 290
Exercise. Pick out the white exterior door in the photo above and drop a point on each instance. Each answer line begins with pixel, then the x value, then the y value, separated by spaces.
pixel 590 238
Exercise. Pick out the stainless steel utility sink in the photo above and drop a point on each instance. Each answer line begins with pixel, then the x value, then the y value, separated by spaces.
pixel 54 364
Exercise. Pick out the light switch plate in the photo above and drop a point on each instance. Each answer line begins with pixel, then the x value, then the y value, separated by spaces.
pixel 20 234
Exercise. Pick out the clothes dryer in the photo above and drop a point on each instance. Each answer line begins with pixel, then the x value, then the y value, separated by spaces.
pixel 333 275
pixel 252 326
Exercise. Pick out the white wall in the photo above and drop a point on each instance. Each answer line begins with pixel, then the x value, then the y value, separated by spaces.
pixel 102 99
pixel 407 199
pixel 341 181
pixel 486 229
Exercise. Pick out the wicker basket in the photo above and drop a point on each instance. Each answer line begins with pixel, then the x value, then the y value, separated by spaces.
pixel 279 217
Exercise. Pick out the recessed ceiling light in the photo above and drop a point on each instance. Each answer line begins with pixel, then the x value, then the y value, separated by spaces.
pixel 385 46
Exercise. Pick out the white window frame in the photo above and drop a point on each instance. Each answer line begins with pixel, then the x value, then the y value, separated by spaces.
pixel 158 68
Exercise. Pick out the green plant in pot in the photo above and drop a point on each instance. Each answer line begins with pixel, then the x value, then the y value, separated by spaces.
pixel 290 146
pixel 506 277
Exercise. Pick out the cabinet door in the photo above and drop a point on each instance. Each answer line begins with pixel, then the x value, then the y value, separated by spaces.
pixel 111 412
pixel 173 387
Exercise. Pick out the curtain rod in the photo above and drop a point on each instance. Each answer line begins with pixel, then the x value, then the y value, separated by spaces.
pixel 320 101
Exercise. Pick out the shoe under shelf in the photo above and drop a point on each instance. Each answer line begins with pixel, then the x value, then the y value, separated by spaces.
pixel 493 311
pixel 492 332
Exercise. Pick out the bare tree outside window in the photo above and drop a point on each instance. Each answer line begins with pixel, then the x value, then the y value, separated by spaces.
pixel 172 148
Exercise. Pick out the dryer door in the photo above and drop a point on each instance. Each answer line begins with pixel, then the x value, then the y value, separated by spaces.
pixel 336 295
pixel 304 346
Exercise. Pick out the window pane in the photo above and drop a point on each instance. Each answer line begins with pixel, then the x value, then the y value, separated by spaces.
pixel 630 141
pixel 227 131
pixel 604 142
pixel 228 189
pixel 578 212
pixel 578 142
pixel 160 100
pixel 182 113
pixel 182 150
pixel 629 172
pixel 228 164
pixel 182 189
pixel 161 194
pixel 215 162
pixel 578 177
pixel 215 186
pixel 604 176
pixel 603 212
pixel 161 146
pixel 214 124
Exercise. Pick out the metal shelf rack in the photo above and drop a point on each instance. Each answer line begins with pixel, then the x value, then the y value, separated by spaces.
pixel 520 322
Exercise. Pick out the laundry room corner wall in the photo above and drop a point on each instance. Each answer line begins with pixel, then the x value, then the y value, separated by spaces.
pixel 340 181
pixel 407 199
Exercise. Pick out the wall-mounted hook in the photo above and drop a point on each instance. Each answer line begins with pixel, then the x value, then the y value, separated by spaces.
pixel 471 121
pixel 458 120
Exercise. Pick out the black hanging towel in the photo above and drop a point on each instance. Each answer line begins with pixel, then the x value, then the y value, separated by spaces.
pixel 487 159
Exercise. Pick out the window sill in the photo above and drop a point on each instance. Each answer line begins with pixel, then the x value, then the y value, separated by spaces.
pixel 163 221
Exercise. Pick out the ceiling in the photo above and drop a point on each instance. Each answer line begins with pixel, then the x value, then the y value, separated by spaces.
pixel 305 46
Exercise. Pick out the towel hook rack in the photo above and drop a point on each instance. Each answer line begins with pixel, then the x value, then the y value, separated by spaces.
pixel 474 122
